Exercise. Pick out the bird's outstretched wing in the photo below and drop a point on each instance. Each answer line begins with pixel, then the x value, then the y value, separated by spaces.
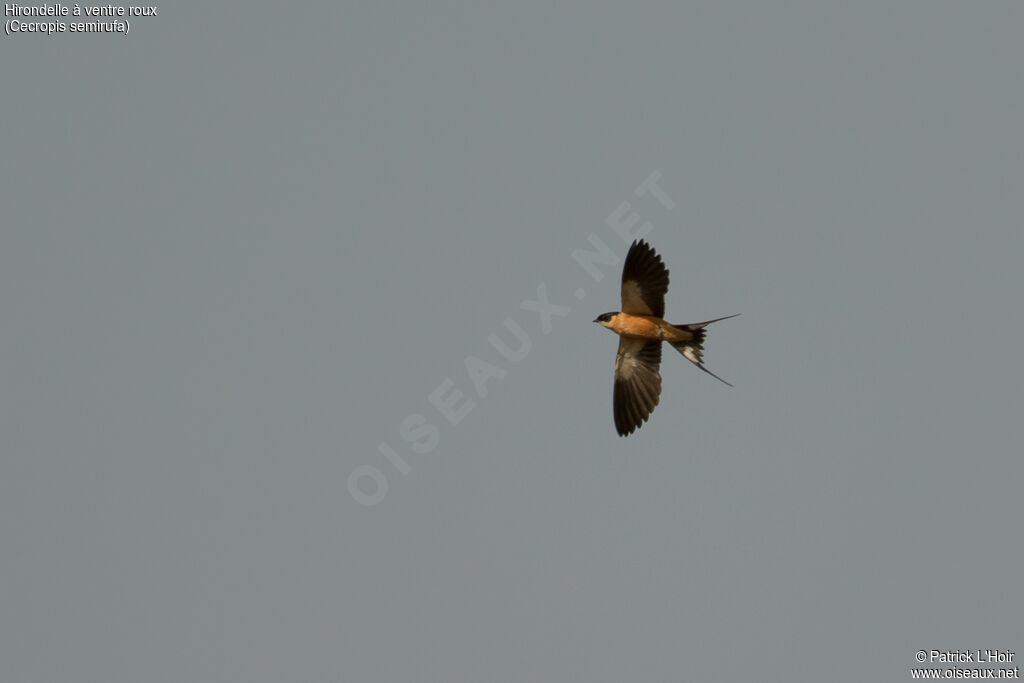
pixel 644 281
pixel 637 383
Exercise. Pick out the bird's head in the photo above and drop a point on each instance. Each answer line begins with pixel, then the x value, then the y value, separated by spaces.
pixel 605 319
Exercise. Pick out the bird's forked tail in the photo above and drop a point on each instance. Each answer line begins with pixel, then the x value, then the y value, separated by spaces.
pixel 693 349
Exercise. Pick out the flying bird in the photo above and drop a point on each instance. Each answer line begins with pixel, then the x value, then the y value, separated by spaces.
pixel 641 330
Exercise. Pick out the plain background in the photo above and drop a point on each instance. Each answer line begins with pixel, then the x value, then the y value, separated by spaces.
pixel 242 244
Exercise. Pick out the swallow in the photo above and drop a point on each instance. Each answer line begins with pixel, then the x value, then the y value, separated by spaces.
pixel 641 331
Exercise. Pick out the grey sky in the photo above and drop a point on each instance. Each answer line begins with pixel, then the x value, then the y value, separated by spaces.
pixel 241 246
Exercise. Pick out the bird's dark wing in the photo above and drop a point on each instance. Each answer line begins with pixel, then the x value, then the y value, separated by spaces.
pixel 644 281
pixel 637 383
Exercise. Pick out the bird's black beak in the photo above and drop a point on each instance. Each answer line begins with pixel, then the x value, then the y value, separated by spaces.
pixel 595 320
